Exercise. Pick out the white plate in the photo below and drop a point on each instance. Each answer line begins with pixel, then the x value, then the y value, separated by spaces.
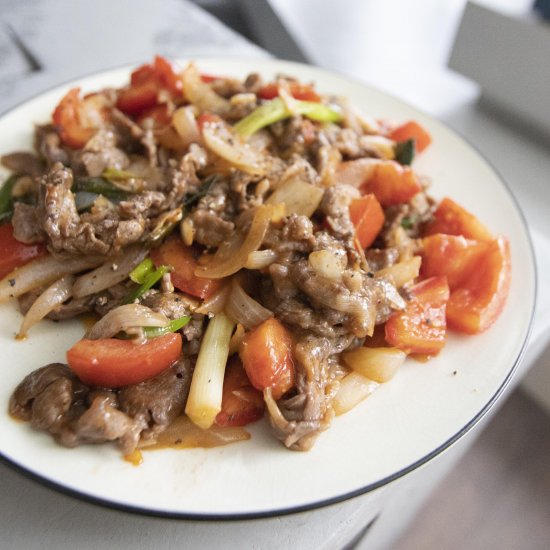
pixel 408 421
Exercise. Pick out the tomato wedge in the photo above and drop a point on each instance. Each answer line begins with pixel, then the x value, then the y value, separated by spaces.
pixel 421 327
pixel 367 217
pixel 145 84
pixel 183 261
pixel 452 219
pixel 303 92
pixel 392 183
pixel 241 403
pixel 15 254
pixel 266 353
pixel 453 256
pixel 113 363
pixel 478 300
pixel 412 130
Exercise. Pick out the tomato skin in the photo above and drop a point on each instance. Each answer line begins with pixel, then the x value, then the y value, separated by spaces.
pixel 303 92
pixel 15 254
pixel 392 183
pixel 182 258
pixel 137 98
pixel 421 327
pixel 266 353
pixel 241 403
pixel 412 130
pixel 367 217
pixel 113 363
pixel 158 113
pixel 453 256
pixel 477 302
pixel 145 84
pixel 452 219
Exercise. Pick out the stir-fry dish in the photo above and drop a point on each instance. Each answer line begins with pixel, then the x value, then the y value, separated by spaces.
pixel 245 249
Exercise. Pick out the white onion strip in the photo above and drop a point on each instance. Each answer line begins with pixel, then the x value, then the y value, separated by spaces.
pixel 243 309
pixel 200 93
pixel 110 273
pixel 218 269
pixel 48 301
pixel 41 272
pixel 126 317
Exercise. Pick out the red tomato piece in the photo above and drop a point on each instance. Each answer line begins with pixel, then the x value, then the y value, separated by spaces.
pixel 452 219
pixel 367 217
pixel 113 363
pixel 142 74
pixel 412 130
pixel 208 78
pixel 167 76
pixel 15 254
pixel 241 403
pixel 183 261
pixel 303 92
pixel 266 353
pixel 421 327
pixel 477 302
pixel 159 114
pixel 68 118
pixel 453 256
pixel 392 183
pixel 138 98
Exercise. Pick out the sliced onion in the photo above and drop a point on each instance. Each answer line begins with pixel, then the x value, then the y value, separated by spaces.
pixel 227 144
pixel 185 123
pixel 126 317
pixel 216 303
pixel 110 273
pixel 41 272
pixel 353 389
pixel 378 364
pixel 201 94
pixel 381 145
pixel 356 172
pixel 216 269
pixel 259 259
pixel 244 309
pixel 48 301
pixel 298 196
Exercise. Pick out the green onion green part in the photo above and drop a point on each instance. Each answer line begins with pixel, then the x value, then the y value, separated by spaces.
pixel 149 281
pixel 173 326
pixel 405 151
pixel 276 110
pixel 115 174
pixel 6 199
pixel 141 271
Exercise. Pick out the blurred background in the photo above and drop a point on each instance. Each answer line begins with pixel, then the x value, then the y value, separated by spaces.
pixel 481 67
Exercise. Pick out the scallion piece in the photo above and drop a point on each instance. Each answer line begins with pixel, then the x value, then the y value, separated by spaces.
pixel 6 199
pixel 141 271
pixel 149 281
pixel 115 174
pixel 276 110
pixel 173 326
pixel 405 151
pixel 100 186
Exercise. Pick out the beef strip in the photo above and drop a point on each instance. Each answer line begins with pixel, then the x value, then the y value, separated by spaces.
pixel 159 400
pixel 101 152
pixel 23 162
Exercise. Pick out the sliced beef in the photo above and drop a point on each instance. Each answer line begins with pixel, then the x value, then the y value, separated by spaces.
pixel 48 145
pixel 23 162
pixel 101 152
pixel 27 223
pixel 160 399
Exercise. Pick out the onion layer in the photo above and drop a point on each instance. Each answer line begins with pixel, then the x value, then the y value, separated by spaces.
pixel 126 317
pixel 216 269
pixel 48 301
pixel 199 93
pixel 110 273
pixel 243 309
pixel 41 272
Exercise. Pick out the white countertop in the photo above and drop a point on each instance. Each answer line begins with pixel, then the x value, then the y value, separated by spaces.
pixel 396 45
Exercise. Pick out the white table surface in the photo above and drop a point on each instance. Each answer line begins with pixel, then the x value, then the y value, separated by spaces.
pixel 396 45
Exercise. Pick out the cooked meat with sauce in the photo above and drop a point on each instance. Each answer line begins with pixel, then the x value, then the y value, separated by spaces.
pixel 247 248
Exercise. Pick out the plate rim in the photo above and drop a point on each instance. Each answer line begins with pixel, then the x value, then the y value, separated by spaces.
pixel 474 421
